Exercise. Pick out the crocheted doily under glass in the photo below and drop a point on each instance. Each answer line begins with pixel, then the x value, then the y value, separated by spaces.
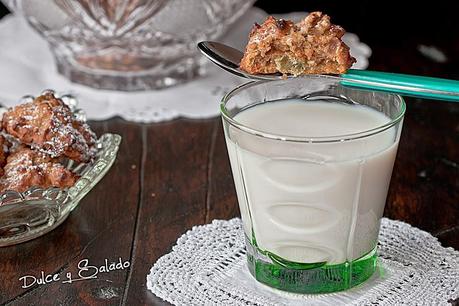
pixel 208 266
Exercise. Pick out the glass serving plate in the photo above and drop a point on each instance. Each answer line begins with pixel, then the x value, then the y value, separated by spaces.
pixel 35 212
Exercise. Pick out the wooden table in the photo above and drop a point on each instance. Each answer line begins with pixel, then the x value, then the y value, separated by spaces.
pixel 173 175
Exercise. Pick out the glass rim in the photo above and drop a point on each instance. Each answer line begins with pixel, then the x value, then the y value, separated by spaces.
pixel 306 139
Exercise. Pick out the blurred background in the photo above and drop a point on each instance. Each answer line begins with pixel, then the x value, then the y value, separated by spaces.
pixel 395 30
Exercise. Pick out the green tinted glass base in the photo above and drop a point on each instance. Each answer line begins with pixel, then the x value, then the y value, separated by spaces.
pixel 312 278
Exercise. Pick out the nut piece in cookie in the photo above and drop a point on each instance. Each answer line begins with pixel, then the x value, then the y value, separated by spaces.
pixel 48 124
pixel 26 168
pixel 312 46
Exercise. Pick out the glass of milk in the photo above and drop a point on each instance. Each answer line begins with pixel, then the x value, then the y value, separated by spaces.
pixel 312 161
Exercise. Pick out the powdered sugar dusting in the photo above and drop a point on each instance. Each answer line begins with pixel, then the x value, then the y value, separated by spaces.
pixel 47 124
pixel 26 168
pixel 40 133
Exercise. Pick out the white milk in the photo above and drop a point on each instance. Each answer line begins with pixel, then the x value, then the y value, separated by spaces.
pixel 311 202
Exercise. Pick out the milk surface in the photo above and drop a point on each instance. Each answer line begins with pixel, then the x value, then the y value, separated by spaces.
pixel 312 202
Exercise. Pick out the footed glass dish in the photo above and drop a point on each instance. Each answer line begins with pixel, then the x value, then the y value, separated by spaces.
pixel 129 45
pixel 35 212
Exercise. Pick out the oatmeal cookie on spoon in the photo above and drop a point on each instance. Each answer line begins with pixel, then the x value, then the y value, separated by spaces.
pixel 312 46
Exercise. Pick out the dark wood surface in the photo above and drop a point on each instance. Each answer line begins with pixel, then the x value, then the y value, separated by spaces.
pixel 173 175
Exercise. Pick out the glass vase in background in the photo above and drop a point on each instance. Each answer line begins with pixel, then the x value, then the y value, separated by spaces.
pixel 129 44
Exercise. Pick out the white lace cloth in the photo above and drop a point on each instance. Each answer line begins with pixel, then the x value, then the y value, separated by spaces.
pixel 208 267
pixel 27 67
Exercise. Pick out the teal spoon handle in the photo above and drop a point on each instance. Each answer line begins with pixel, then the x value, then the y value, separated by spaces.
pixel 403 84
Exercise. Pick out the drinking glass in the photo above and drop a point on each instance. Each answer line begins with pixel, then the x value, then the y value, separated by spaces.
pixel 311 206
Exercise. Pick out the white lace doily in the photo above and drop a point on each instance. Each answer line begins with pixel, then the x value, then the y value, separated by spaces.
pixel 208 267
pixel 27 68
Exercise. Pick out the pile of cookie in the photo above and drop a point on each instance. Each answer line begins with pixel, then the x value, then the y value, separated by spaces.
pixel 36 138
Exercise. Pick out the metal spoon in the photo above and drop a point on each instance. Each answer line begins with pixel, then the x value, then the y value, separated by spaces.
pixel 229 58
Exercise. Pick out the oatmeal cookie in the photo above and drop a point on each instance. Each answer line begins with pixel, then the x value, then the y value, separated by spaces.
pixel 48 125
pixel 26 168
pixel 312 46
